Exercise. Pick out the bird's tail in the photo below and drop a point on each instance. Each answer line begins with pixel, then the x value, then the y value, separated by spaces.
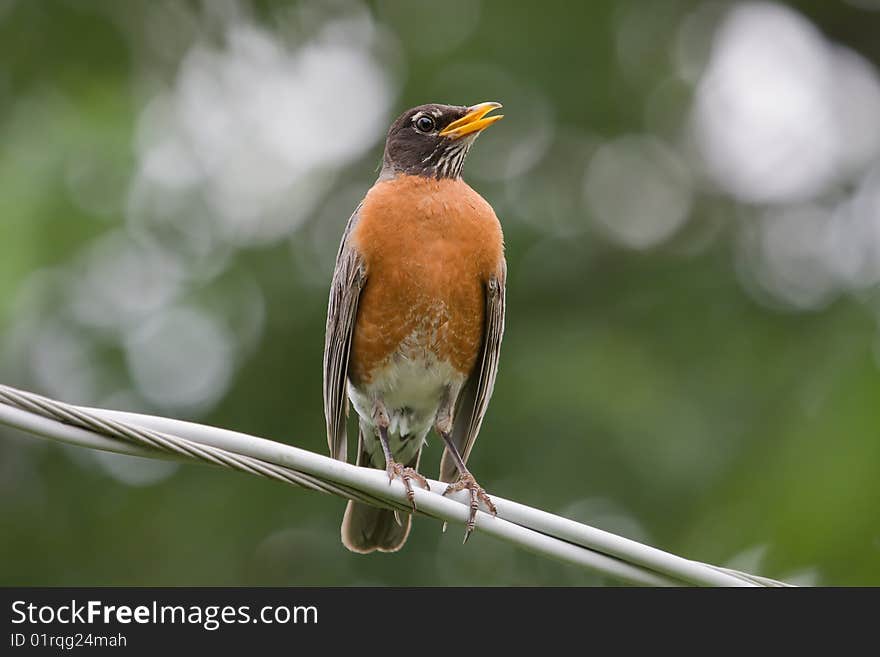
pixel 368 529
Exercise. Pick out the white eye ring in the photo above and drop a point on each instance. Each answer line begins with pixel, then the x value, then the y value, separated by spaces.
pixel 424 123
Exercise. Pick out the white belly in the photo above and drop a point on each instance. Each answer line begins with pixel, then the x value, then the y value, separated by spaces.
pixel 412 389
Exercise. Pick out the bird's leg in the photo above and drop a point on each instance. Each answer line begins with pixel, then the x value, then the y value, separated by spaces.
pixel 465 479
pixel 467 482
pixel 392 467
pixel 405 473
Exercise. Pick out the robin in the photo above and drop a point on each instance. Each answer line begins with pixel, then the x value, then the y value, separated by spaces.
pixel 415 317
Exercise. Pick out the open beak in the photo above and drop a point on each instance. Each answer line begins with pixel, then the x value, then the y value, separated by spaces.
pixel 474 121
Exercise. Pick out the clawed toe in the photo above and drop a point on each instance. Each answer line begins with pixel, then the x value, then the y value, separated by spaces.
pixel 406 475
pixel 478 494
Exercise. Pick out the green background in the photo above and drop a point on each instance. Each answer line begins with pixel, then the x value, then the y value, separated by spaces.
pixel 655 391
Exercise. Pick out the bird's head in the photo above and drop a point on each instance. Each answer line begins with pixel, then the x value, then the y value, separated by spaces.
pixel 433 140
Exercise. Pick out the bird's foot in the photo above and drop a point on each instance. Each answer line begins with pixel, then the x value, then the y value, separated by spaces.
pixel 406 475
pixel 467 482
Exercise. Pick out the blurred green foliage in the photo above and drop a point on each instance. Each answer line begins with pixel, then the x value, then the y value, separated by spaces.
pixel 644 391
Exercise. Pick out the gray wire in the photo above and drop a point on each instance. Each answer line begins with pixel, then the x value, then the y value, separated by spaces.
pixel 530 528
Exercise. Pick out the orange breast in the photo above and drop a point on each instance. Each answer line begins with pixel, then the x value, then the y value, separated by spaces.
pixel 429 247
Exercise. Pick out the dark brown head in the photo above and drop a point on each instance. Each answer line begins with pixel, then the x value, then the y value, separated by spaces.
pixel 433 140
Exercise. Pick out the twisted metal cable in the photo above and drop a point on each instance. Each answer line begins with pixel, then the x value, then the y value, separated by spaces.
pixel 178 446
pixel 532 529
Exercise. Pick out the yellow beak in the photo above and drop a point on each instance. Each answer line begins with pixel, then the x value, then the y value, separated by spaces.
pixel 473 121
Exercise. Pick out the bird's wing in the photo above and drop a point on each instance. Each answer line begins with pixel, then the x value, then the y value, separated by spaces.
pixel 474 396
pixel 349 278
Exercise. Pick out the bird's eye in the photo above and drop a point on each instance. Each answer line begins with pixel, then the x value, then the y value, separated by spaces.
pixel 424 124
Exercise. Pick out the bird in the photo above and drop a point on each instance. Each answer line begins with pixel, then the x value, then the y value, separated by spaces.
pixel 415 317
